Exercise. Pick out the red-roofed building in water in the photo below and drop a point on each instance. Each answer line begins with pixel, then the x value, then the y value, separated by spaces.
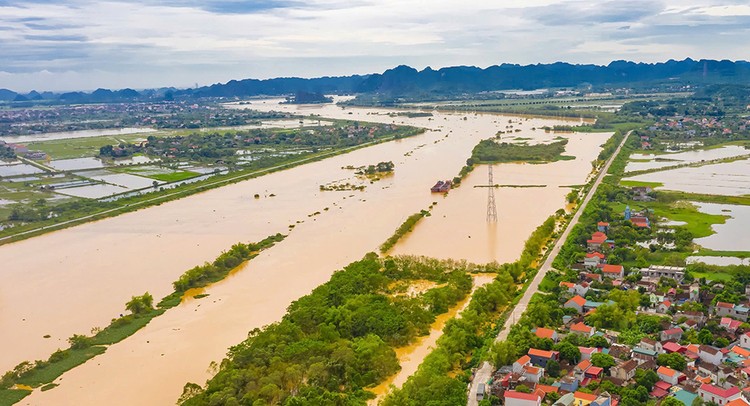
pixel 514 398
pixel 613 271
pixel 720 396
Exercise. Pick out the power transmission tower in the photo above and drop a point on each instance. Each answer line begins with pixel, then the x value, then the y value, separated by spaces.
pixel 491 208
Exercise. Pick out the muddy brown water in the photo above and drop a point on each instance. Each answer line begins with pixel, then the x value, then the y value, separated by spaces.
pixel 69 281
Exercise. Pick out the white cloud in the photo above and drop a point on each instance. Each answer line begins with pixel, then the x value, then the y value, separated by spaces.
pixel 87 44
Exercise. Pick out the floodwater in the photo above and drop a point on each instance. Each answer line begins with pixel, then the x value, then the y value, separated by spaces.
pixel 729 179
pixel 73 134
pixel 411 356
pixel 730 236
pixel 18 169
pixel 462 214
pixel 720 261
pixel 685 157
pixel 87 273
pixel 92 191
pixel 75 164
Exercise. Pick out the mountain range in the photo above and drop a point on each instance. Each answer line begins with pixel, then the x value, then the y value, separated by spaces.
pixel 404 80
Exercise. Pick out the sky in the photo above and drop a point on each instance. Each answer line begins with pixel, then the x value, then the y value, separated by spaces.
pixel 84 44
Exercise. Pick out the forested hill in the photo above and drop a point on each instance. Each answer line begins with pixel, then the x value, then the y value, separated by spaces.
pixel 404 80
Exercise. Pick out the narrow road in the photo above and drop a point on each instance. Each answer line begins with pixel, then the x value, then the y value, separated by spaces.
pixel 483 374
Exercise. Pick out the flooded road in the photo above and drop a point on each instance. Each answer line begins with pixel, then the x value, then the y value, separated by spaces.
pixel 69 281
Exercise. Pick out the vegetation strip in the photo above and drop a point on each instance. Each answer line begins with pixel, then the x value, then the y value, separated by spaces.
pixel 82 348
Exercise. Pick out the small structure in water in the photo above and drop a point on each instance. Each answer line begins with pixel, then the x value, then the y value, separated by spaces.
pixel 441 186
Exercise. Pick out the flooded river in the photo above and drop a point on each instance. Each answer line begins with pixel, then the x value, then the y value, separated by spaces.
pixel 69 281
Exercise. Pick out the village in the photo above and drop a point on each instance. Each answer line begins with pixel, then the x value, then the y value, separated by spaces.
pixel 629 335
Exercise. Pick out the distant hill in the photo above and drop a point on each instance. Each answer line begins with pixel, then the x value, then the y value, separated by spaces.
pixel 406 81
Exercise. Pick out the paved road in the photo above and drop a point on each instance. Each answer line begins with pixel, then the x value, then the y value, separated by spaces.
pixel 484 373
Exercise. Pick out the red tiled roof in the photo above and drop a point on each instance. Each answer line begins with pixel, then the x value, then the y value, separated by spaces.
pixel 541 353
pixel 602 223
pixel 715 390
pixel 666 371
pixel 523 360
pixel 568 285
pixel 612 268
pixel 585 396
pixel 725 305
pixel 547 388
pixel 595 254
pixel 542 332
pixel 672 347
pixel 577 300
pixel 598 237
pixel 580 327
pixel 584 365
pixel 671 331
pixel 594 370
pixel 520 395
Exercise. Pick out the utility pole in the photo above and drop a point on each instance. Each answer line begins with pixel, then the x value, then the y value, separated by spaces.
pixel 491 207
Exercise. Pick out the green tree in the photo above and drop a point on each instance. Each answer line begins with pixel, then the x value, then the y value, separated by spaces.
pixel 553 368
pixel 597 341
pixel 671 401
pixel 568 352
pixel 603 361
pixel 79 342
pixel 674 360
pixel 523 389
pixel 140 304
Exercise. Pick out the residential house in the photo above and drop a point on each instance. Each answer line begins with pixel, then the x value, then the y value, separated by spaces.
pixel 664 307
pixel 723 309
pixel 624 370
pixel 602 226
pixel 660 271
pixel 514 398
pixel 669 375
pixel 533 374
pixel 582 329
pixel 643 355
pixel 671 346
pixel 569 384
pixel 541 357
pixel 597 241
pixel 711 393
pixel 649 344
pixel 579 371
pixel 520 363
pixel 594 373
pixel 587 352
pixel 593 259
pixel 709 354
pixel 672 334
pixel 583 399
pixel 565 400
pixel 745 340
pixel 576 302
pixel 613 271
pixel 542 332
pixel 730 325
pixel 640 193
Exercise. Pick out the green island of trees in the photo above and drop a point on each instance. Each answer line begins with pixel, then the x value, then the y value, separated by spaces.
pixel 337 341
pixel 490 151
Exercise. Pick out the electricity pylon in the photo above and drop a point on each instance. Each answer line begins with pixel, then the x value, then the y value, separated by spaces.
pixel 491 208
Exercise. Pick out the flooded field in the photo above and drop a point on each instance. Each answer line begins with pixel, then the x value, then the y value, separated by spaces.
pixel 720 261
pixel 653 161
pixel 75 164
pixel 730 236
pixel 73 134
pixel 18 168
pixel 69 289
pixel 729 179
